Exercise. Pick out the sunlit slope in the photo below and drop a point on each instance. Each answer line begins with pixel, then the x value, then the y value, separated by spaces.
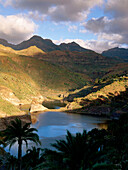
pixel 31 51
pixel 26 75
pixel 23 77
pixel 99 97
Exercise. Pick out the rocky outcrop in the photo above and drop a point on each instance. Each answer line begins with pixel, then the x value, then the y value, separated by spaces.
pixel 9 96
pixel 38 100
pixel 36 104
pixel 37 108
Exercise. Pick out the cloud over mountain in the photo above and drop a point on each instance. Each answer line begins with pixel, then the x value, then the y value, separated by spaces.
pixel 112 29
pixel 16 28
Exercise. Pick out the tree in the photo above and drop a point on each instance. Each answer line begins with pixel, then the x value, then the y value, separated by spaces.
pixel 33 158
pixel 8 162
pixel 17 132
pixel 72 152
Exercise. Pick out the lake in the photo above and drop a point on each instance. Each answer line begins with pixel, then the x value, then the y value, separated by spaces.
pixel 53 126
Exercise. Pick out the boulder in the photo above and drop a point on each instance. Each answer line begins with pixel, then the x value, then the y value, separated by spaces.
pixel 37 108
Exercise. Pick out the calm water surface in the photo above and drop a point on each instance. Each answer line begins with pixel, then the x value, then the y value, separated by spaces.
pixel 53 126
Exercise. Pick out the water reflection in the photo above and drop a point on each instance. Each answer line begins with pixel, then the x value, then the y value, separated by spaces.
pixel 53 124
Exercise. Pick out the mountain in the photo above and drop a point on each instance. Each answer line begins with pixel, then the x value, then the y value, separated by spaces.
pixel 23 78
pixel 71 47
pixel 71 56
pixel 44 44
pixel 31 72
pixel 121 53
pixel 89 62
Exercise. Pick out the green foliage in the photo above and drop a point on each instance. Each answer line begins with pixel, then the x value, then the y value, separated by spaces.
pixel 33 158
pixel 95 150
pixel 104 166
pixel 17 132
pixel 9 162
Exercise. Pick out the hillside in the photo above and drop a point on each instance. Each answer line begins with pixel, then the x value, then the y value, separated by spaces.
pixel 121 53
pixel 22 78
pixel 89 62
pixel 31 51
pixel 106 99
pixel 32 73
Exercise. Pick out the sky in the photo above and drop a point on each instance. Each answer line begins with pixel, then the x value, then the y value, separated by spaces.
pixel 94 24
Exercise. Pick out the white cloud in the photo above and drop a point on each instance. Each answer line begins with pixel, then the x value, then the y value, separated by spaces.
pixel 95 45
pixel 16 28
pixel 72 28
pixel 114 29
pixel 82 30
pixel 57 10
pixel 100 45
pixel 36 15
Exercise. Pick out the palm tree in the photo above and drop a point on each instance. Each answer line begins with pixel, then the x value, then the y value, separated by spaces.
pixel 33 158
pixel 73 150
pixel 8 162
pixel 17 132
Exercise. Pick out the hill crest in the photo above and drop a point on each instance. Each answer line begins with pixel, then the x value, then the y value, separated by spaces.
pixel 44 44
pixel 121 53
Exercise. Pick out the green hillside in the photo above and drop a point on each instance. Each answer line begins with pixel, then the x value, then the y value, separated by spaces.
pixel 100 99
pixel 31 73
pixel 89 62
pixel 25 77
pixel 121 53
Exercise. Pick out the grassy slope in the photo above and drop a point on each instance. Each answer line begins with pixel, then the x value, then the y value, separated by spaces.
pixel 90 63
pixel 27 77
pixel 31 51
pixel 8 109
pixel 102 92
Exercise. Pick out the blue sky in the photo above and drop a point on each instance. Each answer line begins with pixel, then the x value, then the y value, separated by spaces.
pixel 94 24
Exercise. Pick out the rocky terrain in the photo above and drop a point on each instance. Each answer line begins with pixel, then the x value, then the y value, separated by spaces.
pixel 37 69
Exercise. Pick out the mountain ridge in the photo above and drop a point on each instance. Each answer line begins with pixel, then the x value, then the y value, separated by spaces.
pixel 121 53
pixel 44 44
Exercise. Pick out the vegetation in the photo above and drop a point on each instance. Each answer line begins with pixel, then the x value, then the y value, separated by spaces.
pixel 16 132
pixel 97 149
pixel 26 77
pixel 105 98
pixel 32 72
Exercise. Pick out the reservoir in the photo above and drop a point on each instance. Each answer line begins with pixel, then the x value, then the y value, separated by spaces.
pixel 53 126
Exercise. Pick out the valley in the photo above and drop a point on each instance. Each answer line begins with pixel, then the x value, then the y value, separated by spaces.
pixel 81 78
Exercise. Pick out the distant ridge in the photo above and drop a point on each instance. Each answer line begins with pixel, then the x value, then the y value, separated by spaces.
pixel 44 44
pixel 121 53
pixel 73 46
